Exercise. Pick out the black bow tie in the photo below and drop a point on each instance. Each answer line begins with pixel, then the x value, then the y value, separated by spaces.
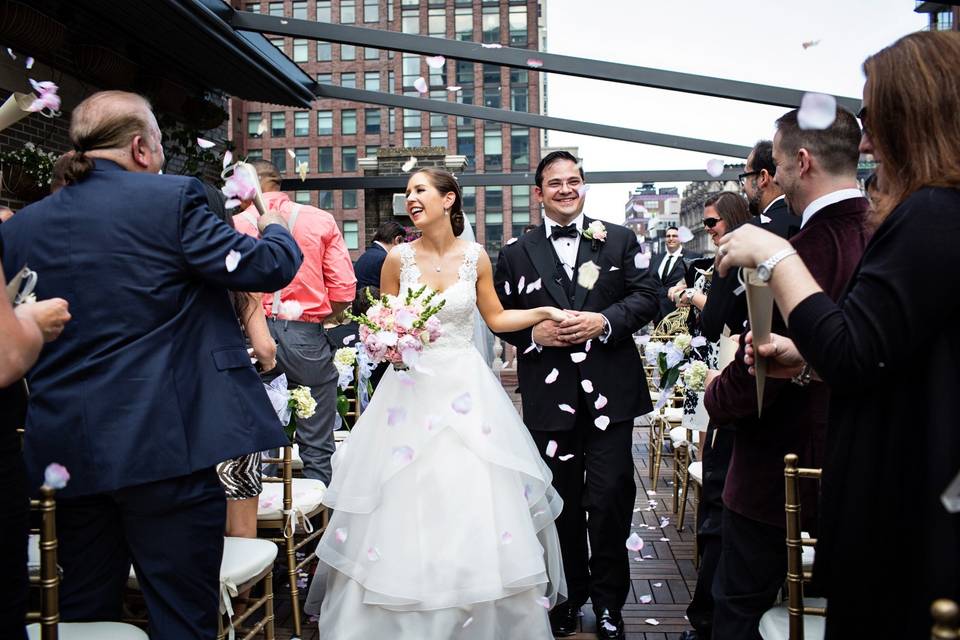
pixel 569 231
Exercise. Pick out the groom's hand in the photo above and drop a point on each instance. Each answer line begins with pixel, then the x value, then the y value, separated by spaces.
pixel 545 334
pixel 581 326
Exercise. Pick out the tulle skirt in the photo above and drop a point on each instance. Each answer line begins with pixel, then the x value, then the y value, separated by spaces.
pixel 443 520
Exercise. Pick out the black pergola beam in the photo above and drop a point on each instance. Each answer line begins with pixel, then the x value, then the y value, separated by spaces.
pixel 518 58
pixel 533 120
pixel 399 182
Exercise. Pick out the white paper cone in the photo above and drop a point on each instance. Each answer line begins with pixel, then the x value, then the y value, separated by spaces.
pixel 760 312
pixel 727 351
pixel 15 109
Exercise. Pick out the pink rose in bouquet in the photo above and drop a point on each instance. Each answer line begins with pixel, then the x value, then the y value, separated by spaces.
pixel 396 329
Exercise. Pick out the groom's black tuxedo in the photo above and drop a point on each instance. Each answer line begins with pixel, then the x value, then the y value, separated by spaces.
pixel 626 295
pixel 596 484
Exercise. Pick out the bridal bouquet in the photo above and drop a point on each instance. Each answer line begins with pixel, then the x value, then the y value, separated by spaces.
pixel 396 329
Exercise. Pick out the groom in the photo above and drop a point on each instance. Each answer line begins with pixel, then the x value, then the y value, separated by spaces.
pixel 587 407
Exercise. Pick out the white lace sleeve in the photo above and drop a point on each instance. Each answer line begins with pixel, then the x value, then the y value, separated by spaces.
pixel 409 271
pixel 468 270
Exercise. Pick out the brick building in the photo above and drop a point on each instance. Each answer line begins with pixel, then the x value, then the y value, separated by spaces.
pixel 335 135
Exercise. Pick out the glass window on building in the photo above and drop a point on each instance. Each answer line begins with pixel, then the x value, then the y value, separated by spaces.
pixel 519 148
pixel 438 78
pixel 301 156
pixel 463 24
pixel 517 20
pixel 411 69
pixel 409 3
pixel 277 42
pixel 520 204
pixel 324 51
pixel 300 9
pixel 369 53
pixel 325 160
pixel 371 10
pixel 275 9
pixel 411 119
pixel 348 158
pixel 392 119
pixel 301 123
pixel 468 197
pixel 371 121
pixel 351 234
pixel 348 11
pixel 439 121
pixel 254 118
pixel 325 78
pixel 391 81
pixel 253 7
pixel 348 80
pixel 410 21
pixel 279 159
pixel 464 73
pixel 519 76
pixel 323 11
pixel 348 122
pixel 490 24
pixel 411 138
pixel 371 80
pixel 350 199
pixel 254 154
pixel 492 149
pixel 301 197
pixel 467 146
pixel 436 22
pixel 438 138
pixel 278 124
pixel 301 50
pixel 493 219
pixel 519 98
pixel 491 74
pixel 348 52
pixel 465 97
pixel 491 96
pixel 324 123
pixel 325 200
pixel 371 151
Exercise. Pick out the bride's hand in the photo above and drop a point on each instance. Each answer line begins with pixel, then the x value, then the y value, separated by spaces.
pixel 557 315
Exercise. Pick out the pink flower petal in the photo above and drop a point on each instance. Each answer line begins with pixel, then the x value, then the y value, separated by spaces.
pixel 373 554
pixel 421 85
pixel 520 283
pixel 403 454
pixel 586 347
pixel 435 62
pixel 652 621
pixel 582 190
pixel 586 385
pixel 533 286
pixel 634 542
pixel 203 143
pixel 578 356
pixel 262 127
pixel 492 45
pixel 551 449
pixel 600 402
pixel 534 63
pixel 664 539
pixel 462 404
pixel 530 348
pixel 29 63
pixel 341 535
pixel 506 537
pixel 602 422
pixel 658 584
pixel 291 153
pixel 454 89
pixel 231 203
pixel 227 158
pixel 551 377
pixel 395 416
pixel 506 287
pixel 232 260
pixel 641 260
pixel 817 111
pixel 715 167
pixel 544 602
pixel 565 457
pixel 409 164
pixel 646 599
pixel 685 234
pixel 56 476
pixel 466 623
pixel 567 408
pixel 10 53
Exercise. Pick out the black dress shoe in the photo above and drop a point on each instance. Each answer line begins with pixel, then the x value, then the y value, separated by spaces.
pixel 609 625
pixel 564 620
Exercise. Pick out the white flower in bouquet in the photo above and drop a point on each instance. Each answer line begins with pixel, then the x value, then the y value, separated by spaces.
pixel 302 402
pixel 397 328
pixel 682 341
pixel 345 356
pixel 695 375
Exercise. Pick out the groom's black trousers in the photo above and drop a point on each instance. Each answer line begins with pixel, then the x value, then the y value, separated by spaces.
pixel 598 492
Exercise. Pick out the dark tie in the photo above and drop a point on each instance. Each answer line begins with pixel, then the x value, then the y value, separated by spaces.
pixel 667 267
pixel 569 231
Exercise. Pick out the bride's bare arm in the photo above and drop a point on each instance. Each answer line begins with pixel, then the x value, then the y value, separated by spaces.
pixel 390 273
pixel 502 320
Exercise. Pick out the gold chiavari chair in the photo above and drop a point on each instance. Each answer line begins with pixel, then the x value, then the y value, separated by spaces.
pixel 45 624
pixel 946 620
pixel 799 618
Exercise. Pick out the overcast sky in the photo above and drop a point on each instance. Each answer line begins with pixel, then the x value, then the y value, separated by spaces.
pixel 753 41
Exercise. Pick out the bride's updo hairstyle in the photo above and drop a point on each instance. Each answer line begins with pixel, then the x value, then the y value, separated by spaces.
pixel 444 182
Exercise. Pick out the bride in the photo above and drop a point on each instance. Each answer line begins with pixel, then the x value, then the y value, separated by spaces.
pixel 443 511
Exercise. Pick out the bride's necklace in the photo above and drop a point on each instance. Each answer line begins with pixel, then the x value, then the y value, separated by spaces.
pixel 440 257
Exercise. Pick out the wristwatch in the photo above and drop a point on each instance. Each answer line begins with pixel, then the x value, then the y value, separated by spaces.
pixel 765 268
pixel 689 294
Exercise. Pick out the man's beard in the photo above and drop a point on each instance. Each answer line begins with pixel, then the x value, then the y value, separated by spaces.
pixel 754 204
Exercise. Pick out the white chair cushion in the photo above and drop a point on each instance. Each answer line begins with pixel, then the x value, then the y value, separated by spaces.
pixel 307 497
pixel 696 471
pixel 673 414
pixel 296 462
pixel 678 435
pixel 92 631
pixel 340 435
pixel 809 553
pixel 33 555
pixel 243 559
pixel 775 623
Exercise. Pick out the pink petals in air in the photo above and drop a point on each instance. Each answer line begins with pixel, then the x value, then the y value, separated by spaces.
pixel 551 449
pixel 55 476
pixel 587 386
pixel 396 415
pixel 435 62
pixel 551 377
pixel 600 402
pixel 634 542
pixel 817 111
pixel 203 143
pixel 715 168
pixel 544 602
pixel 232 260
pixel 462 404
pixel 684 234
pixel 534 63
pixel 341 535
pixel 238 187
pixel 48 102
pixel 403 454
pixel 421 86
pixel 578 356
pixel 567 408
pixel 602 422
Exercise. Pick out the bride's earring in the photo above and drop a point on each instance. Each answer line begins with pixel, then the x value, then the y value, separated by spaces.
pixel 446 212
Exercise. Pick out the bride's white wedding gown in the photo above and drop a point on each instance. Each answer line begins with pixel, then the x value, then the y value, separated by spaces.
pixel 443 522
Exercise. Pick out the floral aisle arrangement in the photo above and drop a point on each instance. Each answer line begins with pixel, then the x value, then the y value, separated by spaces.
pixel 290 404
pixel 396 329
pixel 671 359
pixel 349 361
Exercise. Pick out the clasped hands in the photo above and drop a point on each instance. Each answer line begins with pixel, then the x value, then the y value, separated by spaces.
pixel 576 328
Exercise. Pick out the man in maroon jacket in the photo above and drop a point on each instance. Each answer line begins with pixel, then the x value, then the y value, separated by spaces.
pixel 817 170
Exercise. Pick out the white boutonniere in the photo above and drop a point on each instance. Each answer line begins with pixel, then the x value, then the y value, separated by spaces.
pixel 596 233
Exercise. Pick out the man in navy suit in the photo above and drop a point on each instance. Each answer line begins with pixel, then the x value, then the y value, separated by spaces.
pixel 367 267
pixel 150 385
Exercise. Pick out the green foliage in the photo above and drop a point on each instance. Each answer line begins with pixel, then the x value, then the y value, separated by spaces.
pixel 34 161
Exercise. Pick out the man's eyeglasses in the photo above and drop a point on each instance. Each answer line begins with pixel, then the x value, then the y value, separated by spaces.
pixel 742 178
pixel 710 223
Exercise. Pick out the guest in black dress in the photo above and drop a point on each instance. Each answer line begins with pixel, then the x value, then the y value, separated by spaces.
pixel 887 546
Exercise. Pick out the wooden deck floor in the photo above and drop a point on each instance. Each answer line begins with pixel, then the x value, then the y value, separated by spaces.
pixel 668 575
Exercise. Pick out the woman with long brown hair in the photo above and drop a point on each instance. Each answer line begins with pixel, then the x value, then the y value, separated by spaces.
pixel 888 356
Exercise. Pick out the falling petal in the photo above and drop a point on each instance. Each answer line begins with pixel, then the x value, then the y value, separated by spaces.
pixel 530 348
pixel 646 599
pixel 602 422
pixel 467 622
pixel 587 386
pixel 485 429
pixel 544 602
pixel 462 403
pixel 634 542
pixel 551 449
pixel 600 402
pixel 10 53
pixel 284 22
pixel 639 208
pixel 586 346
pixel 641 260
pixel 434 421
pixel 658 584
pixel 587 274
pixel 565 457
pixel 232 260
pixel 485 46
pixel 396 415
pixel 552 376
pixel 341 535
pixel 578 357
pixel 685 234
pixel 409 164
pixel 520 283
pixel 303 168
pixel 55 476
pixel 506 287
pixel 534 63
pixel 567 408
pixel 817 111
pixel 435 62
pixel 421 85
pixel 29 64
pixel 373 554
pixel 582 190
pixel 350 338
pixel 652 621
pixel 506 537
pixel 664 522
pixel 664 539
pixel 203 143
pixel 291 154
pixel 648 557
pixel 535 285
pixel 454 89
pixel 715 167
pixel 231 203
pixel 404 454
pixel 227 158
pixel 651 492
pixel 609 626
pixel 262 127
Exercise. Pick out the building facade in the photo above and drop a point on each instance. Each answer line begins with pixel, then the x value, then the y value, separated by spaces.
pixel 944 16
pixel 335 135
pixel 651 210
pixel 691 212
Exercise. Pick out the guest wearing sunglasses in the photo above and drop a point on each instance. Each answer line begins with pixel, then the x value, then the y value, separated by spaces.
pixel 764 196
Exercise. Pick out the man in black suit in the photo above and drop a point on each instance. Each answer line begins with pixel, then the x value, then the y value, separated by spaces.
pixel 367 267
pixel 669 269
pixel 588 410
pixel 764 196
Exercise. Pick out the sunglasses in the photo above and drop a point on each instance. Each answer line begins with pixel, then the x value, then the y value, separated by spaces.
pixel 710 223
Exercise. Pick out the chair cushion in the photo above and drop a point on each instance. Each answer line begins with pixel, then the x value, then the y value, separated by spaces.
pixel 33 555
pixel 92 631
pixel 696 471
pixel 673 414
pixel 296 462
pixel 307 498
pixel 243 559
pixel 678 435
pixel 775 625
pixel 808 554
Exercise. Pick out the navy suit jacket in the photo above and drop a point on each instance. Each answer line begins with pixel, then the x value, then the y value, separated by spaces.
pixel 368 266
pixel 151 378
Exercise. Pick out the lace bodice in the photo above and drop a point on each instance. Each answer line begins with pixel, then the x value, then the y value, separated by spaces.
pixel 461 297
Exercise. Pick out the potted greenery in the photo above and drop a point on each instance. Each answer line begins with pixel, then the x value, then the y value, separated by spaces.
pixel 26 172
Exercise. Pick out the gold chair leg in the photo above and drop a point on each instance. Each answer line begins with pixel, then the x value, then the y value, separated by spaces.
pixel 679 456
pixel 294 590
pixel 658 454
pixel 270 632
pixel 683 500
